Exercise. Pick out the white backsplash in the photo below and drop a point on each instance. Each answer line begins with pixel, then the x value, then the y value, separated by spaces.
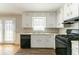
pixel 30 30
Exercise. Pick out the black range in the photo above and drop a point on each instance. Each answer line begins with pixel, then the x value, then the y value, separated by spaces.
pixel 63 42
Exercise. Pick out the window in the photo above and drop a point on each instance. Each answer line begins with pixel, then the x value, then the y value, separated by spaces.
pixel 7 31
pixel 38 23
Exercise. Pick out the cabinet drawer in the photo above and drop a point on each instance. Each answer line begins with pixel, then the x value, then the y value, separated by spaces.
pixel 75 47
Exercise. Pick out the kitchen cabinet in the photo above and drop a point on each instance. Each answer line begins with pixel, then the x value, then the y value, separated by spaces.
pixel 75 47
pixel 26 21
pixel 42 41
pixel 50 19
pixel 60 19
pixel 71 10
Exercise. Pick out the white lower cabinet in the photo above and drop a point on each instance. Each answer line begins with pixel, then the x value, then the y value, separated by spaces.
pixel 75 47
pixel 42 41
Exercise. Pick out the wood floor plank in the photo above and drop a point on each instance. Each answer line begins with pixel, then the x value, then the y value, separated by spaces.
pixel 16 50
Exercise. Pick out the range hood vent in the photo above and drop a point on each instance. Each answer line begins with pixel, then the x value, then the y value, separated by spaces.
pixel 71 21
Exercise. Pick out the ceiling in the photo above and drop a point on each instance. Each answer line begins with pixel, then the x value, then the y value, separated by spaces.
pixel 18 8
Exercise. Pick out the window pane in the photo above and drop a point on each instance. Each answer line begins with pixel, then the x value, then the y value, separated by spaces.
pixel 39 23
pixel 9 31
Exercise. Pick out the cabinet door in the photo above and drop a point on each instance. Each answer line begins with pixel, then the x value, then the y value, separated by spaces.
pixel 75 47
pixel 35 41
pixel 41 41
pixel 47 41
pixel 26 21
pixel 51 20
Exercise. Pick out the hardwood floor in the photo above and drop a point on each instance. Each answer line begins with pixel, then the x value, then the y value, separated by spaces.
pixel 8 49
pixel 35 51
pixel 15 50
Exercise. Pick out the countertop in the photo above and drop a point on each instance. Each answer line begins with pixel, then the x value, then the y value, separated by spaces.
pixel 39 33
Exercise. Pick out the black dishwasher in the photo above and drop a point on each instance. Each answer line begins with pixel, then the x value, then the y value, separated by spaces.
pixel 25 41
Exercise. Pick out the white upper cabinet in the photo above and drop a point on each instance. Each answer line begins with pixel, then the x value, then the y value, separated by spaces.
pixel 26 21
pixel 60 13
pixel 50 19
pixel 70 10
